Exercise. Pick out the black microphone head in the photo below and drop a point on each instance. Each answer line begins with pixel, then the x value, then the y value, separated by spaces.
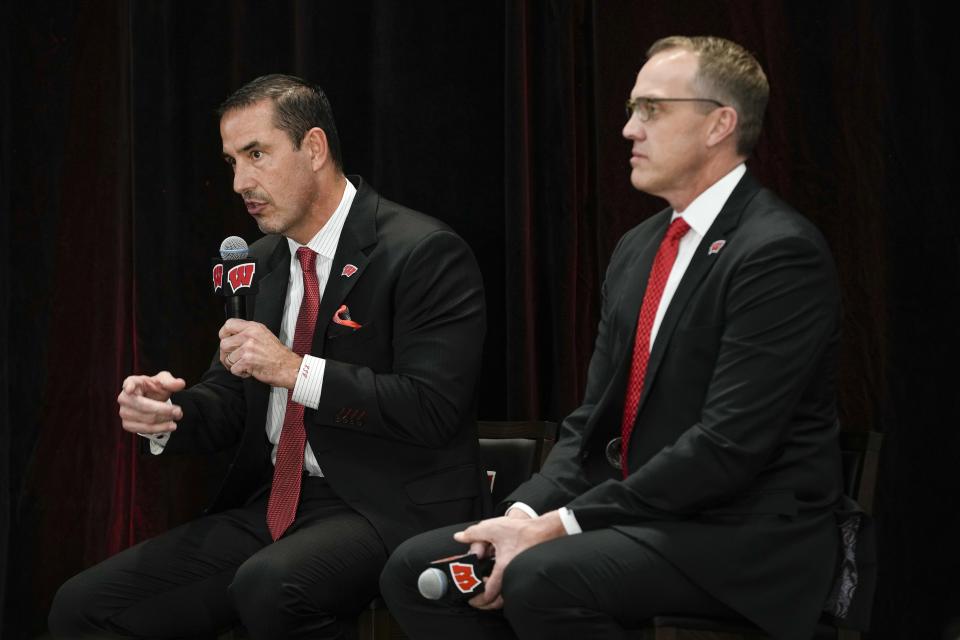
pixel 433 584
pixel 234 248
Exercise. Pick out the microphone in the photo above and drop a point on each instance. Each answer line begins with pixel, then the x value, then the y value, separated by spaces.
pixel 238 271
pixel 463 572
pixel 234 248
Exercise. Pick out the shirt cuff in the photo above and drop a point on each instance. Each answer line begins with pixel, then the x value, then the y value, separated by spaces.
pixel 306 390
pixel 527 509
pixel 569 521
pixel 157 441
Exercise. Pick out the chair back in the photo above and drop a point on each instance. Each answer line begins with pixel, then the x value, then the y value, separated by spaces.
pixel 511 452
pixel 860 451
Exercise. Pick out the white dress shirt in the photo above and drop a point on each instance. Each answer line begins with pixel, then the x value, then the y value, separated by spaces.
pixel 700 215
pixel 309 382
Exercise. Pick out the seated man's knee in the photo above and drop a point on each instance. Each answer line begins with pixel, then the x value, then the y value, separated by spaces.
pixel 74 609
pixel 261 593
pixel 531 582
pixel 399 576
pixel 271 603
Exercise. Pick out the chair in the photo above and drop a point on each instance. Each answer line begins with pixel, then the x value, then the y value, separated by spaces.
pixel 860 453
pixel 510 452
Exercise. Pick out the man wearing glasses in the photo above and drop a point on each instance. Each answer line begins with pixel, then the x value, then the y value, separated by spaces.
pixel 701 474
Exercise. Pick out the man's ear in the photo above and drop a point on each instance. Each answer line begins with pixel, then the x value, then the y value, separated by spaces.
pixel 723 123
pixel 315 143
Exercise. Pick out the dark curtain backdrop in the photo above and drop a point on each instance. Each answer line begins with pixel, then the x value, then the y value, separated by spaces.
pixel 501 118
pixel 6 459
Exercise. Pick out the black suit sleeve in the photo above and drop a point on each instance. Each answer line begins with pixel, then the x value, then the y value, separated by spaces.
pixel 438 330
pixel 213 412
pixel 782 306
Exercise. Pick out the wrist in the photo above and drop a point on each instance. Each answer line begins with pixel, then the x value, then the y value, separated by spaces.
pixel 518 513
pixel 549 526
pixel 292 371
pixel 520 509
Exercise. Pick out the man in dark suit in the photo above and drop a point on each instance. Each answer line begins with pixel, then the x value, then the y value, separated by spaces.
pixel 350 391
pixel 701 474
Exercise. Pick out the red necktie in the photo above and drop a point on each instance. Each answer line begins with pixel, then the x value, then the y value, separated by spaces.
pixel 288 470
pixel 662 264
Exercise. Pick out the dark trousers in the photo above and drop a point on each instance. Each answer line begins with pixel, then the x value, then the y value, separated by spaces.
pixel 590 585
pixel 207 576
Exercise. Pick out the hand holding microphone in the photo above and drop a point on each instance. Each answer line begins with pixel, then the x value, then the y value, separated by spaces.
pixel 505 537
pixel 248 348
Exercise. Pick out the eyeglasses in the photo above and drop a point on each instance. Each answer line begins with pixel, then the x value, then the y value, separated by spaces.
pixel 646 108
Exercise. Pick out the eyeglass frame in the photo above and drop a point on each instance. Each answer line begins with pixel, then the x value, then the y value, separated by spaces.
pixel 631 105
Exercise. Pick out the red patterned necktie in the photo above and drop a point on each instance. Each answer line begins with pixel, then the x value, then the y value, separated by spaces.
pixel 288 470
pixel 662 264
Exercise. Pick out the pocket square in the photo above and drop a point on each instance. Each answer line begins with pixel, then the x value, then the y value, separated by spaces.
pixel 342 316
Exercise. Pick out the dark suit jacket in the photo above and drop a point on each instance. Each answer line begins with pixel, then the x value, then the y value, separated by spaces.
pixel 394 432
pixel 734 462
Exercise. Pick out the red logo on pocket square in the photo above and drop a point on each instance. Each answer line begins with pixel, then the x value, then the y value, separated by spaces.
pixel 342 316
pixel 349 270
pixel 716 246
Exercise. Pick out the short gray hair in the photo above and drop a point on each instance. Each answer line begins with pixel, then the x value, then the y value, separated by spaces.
pixel 728 73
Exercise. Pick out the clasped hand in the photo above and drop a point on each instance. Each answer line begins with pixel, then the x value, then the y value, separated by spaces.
pixel 250 349
pixel 506 537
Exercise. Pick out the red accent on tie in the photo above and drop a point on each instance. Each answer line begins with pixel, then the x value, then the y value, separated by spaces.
pixel 288 470
pixel 662 264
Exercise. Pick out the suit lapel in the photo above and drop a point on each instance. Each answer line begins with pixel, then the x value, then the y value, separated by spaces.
pixel 359 232
pixel 701 263
pixel 268 308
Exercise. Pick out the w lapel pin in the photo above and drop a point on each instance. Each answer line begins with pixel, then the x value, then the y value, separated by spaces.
pixel 348 270
pixel 715 247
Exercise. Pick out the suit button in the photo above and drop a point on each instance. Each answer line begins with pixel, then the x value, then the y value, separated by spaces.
pixel 584 455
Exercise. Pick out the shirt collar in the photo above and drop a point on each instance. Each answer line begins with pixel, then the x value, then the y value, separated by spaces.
pixel 324 243
pixel 706 207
